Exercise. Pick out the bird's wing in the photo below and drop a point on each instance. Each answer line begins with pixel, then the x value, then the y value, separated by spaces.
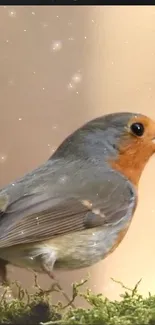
pixel 38 216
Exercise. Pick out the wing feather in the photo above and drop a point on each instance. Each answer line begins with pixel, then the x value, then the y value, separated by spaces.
pixel 40 216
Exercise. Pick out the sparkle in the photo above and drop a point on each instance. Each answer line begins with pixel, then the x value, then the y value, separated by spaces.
pixel 22 232
pixel 71 39
pixel 3 158
pixel 43 88
pixel 33 13
pixel 77 92
pixel 54 127
pixel 52 150
pixel 44 24
pixel 57 16
pixel 77 77
pixel 34 72
pixel 63 179
pixel 93 21
pixel 13 184
pixel 12 13
pixel 70 85
pixel 9 295
pixel 85 37
pixel 56 46
pixel 20 119
pixel 25 30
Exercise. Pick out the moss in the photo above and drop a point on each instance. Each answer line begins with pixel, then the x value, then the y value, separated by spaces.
pixel 132 309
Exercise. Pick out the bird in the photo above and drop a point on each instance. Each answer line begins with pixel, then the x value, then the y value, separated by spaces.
pixel 75 209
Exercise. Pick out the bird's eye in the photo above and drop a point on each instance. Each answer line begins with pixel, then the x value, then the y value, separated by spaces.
pixel 137 129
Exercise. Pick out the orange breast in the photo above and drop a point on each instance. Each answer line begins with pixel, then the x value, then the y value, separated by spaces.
pixel 132 160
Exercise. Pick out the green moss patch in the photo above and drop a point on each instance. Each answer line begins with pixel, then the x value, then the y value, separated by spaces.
pixel 132 309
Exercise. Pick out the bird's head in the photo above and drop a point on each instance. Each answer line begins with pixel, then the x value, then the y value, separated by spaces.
pixel 125 140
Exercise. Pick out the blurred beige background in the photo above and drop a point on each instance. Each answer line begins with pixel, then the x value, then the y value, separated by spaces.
pixel 61 66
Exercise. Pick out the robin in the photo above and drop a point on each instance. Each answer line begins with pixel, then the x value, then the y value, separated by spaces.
pixel 76 208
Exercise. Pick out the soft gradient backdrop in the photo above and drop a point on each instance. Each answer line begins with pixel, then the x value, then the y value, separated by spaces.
pixel 61 66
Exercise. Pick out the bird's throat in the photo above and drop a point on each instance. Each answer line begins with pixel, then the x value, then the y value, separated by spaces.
pixel 132 160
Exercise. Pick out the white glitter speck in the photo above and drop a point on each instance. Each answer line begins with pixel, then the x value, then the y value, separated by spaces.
pixel 63 179
pixel 13 184
pixel 3 158
pixel 56 46
pixel 70 86
pixel 9 295
pixel 25 30
pixel 44 25
pixel 52 150
pixel 71 38
pixel 33 13
pixel 43 88
pixel 12 13
pixel 20 119
pixel 85 37
pixel 77 77
pixel 93 21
